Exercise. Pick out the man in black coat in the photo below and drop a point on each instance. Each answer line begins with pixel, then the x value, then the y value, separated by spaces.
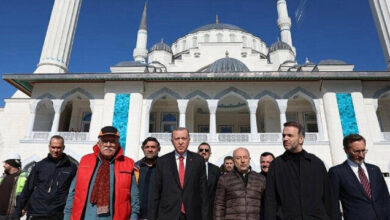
pixel 180 190
pixel 212 173
pixel 48 184
pixel 297 185
pixel 359 186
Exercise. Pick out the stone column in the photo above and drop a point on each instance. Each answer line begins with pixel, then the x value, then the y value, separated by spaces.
pixel 147 105
pixel 282 104
pixel 361 116
pixel 213 105
pixel 96 106
pixel 182 104
pixel 57 104
pixel 134 124
pixel 30 126
pixel 371 107
pixel 59 37
pixel 317 105
pixel 108 108
pixel 252 104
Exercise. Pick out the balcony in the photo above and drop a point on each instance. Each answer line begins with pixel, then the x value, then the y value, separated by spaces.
pixel 235 137
pixel 38 136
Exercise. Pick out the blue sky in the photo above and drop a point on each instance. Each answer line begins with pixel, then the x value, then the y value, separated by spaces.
pixel 106 30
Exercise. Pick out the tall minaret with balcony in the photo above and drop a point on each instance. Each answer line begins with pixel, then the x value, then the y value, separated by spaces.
pixel 59 37
pixel 140 52
pixel 284 23
pixel 381 12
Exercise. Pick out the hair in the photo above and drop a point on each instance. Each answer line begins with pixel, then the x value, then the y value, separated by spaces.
pixel 150 139
pixel 228 158
pixel 204 143
pixel 349 139
pixel 267 154
pixel 58 137
pixel 301 129
pixel 180 129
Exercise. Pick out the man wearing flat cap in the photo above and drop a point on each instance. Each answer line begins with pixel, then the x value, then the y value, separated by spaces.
pixel 11 185
pixel 105 186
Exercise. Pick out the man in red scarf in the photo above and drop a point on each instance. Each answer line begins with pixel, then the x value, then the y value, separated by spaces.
pixel 105 186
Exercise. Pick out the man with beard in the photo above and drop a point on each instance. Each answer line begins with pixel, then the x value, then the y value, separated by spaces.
pixel 298 186
pixel 265 160
pixel 105 186
pixel 359 186
pixel 47 185
pixel 11 185
pixel 239 193
pixel 212 174
pixel 228 164
pixel 147 167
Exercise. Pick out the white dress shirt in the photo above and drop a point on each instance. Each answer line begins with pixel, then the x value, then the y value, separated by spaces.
pixel 177 156
pixel 355 167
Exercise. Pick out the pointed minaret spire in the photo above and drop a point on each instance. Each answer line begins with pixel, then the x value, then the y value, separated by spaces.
pixel 216 19
pixel 140 52
pixel 284 22
pixel 60 33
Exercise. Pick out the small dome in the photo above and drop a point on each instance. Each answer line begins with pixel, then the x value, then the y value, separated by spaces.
pixel 279 45
pixel 226 65
pixel 218 26
pixel 161 46
pixel 332 62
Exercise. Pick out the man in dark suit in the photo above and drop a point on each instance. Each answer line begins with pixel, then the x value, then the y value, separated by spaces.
pixel 359 186
pixel 180 190
pixel 212 174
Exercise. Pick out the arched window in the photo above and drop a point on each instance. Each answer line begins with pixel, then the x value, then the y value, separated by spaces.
pixel 232 37
pixel 194 42
pixel 184 44
pixel 206 38
pixel 219 37
pixel 254 44
pixel 244 42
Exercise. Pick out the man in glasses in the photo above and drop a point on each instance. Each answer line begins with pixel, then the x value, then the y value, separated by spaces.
pixel 105 186
pixel 212 174
pixel 359 186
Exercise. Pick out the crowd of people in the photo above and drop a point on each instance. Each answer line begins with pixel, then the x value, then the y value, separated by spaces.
pixel 184 185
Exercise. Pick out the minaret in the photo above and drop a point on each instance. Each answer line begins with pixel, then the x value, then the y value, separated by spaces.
pixel 381 12
pixel 284 22
pixel 140 52
pixel 59 37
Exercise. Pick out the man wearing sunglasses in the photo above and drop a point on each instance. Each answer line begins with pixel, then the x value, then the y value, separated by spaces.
pixel 105 185
pixel 359 186
pixel 212 174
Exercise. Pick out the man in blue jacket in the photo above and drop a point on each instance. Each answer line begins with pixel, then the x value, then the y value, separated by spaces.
pixel 47 185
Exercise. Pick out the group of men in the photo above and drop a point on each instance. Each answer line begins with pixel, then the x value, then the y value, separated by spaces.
pixel 184 185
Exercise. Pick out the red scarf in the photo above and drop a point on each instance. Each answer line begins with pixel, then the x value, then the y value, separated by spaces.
pixel 101 188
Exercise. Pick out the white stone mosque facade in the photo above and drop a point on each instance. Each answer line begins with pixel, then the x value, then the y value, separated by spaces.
pixel 225 84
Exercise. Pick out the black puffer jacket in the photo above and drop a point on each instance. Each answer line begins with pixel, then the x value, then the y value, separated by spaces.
pixel 235 201
pixel 47 187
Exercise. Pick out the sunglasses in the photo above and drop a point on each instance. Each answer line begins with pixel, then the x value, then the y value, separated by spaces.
pixel 205 150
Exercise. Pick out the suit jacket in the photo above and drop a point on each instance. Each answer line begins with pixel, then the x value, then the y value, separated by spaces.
pixel 212 180
pixel 167 195
pixel 354 200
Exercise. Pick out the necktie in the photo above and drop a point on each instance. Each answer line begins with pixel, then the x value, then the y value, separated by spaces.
pixel 364 181
pixel 181 178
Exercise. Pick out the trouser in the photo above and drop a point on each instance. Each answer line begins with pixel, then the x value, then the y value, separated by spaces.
pixel 57 216
pixel 5 217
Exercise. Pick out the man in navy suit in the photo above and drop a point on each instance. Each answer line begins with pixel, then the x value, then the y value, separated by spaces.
pixel 359 186
pixel 180 191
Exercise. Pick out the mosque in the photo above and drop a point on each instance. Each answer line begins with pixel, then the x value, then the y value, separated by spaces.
pixel 223 83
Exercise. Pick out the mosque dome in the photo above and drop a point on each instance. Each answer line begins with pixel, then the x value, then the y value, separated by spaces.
pixel 161 46
pixel 279 45
pixel 218 26
pixel 226 65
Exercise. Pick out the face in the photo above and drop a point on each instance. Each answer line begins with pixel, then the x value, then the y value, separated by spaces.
pixel 56 148
pixel 180 141
pixel 7 168
pixel 151 150
pixel 204 151
pixel 292 141
pixel 108 146
pixel 241 160
pixel 229 164
pixel 265 162
pixel 356 151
